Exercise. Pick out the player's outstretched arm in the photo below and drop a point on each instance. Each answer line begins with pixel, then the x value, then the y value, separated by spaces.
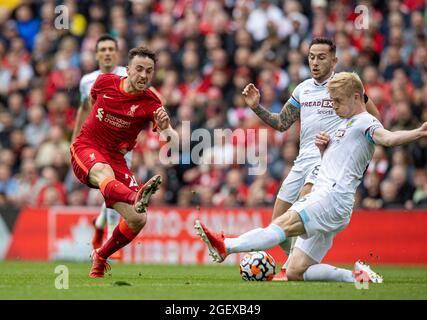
pixel 390 139
pixel 279 121
pixel 82 114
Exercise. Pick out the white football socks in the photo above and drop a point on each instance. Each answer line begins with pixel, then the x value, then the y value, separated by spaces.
pixel 101 219
pixel 326 272
pixel 113 219
pixel 257 239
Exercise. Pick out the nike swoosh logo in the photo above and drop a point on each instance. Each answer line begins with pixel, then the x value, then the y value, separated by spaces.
pixel 107 97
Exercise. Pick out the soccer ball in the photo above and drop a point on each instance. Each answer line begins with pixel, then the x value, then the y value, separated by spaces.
pixel 257 266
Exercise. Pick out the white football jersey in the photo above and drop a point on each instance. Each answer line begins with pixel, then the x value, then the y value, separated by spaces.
pixel 316 114
pixel 88 80
pixel 348 154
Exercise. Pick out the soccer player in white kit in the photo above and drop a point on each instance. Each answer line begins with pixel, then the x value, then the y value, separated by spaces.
pixel 106 53
pixel 310 101
pixel 320 215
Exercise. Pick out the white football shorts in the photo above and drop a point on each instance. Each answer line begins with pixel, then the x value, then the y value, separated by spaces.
pixel 298 177
pixel 323 216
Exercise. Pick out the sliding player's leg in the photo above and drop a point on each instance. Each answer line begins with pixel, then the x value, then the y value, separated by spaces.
pixel 220 247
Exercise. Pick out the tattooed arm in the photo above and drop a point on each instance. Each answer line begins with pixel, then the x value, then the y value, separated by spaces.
pixel 279 121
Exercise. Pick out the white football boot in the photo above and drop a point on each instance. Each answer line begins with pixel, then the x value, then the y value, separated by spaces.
pixel 363 273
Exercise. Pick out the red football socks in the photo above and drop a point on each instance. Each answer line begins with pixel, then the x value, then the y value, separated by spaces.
pixel 122 235
pixel 115 191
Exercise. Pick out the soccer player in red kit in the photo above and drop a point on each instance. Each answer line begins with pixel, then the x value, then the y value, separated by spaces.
pixel 122 107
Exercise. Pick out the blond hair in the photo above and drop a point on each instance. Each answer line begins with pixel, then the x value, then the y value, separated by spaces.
pixel 348 83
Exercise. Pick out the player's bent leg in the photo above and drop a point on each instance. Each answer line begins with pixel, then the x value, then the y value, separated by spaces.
pixel 280 207
pixel 290 223
pixel 307 255
pixel 113 219
pixel 299 262
pixel 101 175
pixel 257 239
pixel 289 244
pixel 101 219
pixel 99 172
pixel 122 235
pixel 98 224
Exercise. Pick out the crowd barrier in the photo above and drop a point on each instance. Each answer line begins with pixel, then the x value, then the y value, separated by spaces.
pixel 64 233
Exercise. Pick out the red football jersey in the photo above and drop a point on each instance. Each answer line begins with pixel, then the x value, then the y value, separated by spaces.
pixel 117 116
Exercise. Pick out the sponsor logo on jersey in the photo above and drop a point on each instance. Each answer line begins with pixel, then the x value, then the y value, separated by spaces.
pixel 117 122
pixel 325 103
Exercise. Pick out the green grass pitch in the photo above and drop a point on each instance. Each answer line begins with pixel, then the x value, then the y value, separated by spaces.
pixel 36 280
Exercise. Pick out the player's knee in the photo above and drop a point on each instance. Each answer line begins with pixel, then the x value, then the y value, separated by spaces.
pixel 137 222
pixel 99 172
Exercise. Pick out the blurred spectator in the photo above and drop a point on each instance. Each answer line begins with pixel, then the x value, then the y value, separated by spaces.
pixel 389 194
pixel 372 193
pixel 49 190
pixel 420 194
pixel 26 181
pixel 399 178
pixel 379 163
pixel 207 52
pixel 8 184
pixel 37 129
pixel 56 143
pixel 265 19
pixel 27 25
pixel 17 109
pixel 234 192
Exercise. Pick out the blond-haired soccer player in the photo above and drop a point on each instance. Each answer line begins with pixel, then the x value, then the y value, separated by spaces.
pixel 320 215
pixel 311 103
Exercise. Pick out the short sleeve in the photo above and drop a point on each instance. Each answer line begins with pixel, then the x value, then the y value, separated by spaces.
pixel 369 131
pixel 83 90
pixel 97 86
pixel 295 97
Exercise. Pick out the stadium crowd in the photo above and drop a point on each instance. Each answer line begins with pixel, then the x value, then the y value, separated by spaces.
pixel 207 52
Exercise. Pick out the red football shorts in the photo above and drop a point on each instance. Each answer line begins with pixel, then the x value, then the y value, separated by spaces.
pixel 84 157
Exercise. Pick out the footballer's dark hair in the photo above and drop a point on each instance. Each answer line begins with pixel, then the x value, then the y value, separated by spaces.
pixel 322 40
pixel 141 52
pixel 106 37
